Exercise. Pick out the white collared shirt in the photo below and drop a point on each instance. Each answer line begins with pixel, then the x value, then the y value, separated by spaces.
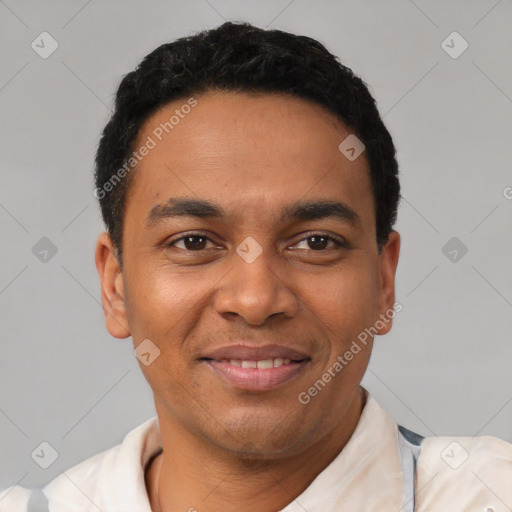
pixel 457 474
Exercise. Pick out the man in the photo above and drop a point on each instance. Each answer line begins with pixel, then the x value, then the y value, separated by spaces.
pixel 249 189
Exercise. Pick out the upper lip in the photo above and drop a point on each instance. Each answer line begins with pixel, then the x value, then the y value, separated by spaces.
pixel 252 353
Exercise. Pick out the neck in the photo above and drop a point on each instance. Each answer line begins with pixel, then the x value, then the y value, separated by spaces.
pixel 191 476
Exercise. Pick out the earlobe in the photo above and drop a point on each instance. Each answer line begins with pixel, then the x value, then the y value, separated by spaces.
pixel 112 288
pixel 388 264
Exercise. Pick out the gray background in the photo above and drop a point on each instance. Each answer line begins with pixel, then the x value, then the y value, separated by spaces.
pixel 445 367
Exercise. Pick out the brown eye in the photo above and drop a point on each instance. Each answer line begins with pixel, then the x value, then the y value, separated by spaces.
pixel 194 242
pixel 320 242
pixel 191 242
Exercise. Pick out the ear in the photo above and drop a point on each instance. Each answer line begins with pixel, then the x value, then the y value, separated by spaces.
pixel 112 288
pixel 388 261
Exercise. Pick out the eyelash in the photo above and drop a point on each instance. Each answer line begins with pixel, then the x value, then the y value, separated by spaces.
pixel 339 243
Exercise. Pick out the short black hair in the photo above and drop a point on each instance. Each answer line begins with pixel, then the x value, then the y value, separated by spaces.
pixel 239 57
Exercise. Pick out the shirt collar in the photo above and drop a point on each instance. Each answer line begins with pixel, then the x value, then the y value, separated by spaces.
pixel 368 467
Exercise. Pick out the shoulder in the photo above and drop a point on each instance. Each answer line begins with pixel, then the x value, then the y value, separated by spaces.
pixel 94 482
pixel 14 499
pixel 464 471
pixel 64 488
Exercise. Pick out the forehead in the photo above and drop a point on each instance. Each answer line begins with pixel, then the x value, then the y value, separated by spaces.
pixel 250 153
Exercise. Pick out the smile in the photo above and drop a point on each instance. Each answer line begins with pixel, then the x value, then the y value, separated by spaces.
pixel 257 375
pixel 262 364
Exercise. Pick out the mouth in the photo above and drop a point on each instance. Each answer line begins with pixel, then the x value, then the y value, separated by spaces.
pixel 256 368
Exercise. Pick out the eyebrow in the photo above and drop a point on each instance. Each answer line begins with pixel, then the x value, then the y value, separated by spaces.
pixel 300 210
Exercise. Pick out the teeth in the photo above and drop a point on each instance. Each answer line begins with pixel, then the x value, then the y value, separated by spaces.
pixel 262 364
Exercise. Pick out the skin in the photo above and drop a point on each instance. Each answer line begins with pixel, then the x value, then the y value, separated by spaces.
pixel 252 154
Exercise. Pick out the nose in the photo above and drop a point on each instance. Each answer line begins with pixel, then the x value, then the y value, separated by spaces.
pixel 255 291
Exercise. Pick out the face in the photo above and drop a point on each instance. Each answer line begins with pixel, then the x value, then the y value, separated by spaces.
pixel 250 261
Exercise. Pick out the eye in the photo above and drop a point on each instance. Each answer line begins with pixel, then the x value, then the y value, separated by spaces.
pixel 320 242
pixel 191 242
pixel 317 242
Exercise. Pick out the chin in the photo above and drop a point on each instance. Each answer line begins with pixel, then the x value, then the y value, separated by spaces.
pixel 260 439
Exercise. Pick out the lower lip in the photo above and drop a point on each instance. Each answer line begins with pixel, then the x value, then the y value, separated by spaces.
pixel 254 379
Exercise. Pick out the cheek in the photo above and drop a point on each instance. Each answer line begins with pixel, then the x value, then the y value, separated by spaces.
pixel 162 305
pixel 344 301
pixel 166 308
